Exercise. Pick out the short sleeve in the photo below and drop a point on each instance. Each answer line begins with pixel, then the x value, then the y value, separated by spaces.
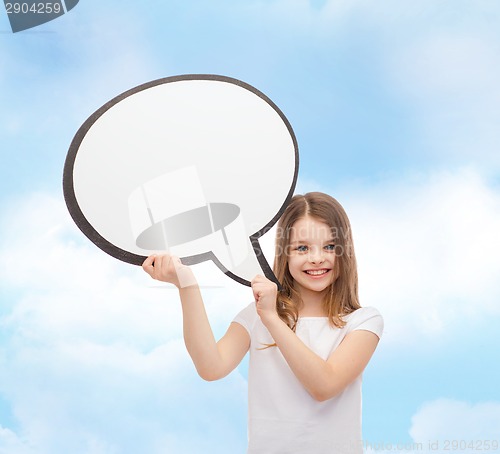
pixel 247 317
pixel 367 318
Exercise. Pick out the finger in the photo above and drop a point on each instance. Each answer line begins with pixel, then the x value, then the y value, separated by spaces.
pixel 256 279
pixel 169 265
pixel 158 264
pixel 257 293
pixel 149 260
pixel 175 262
pixel 148 264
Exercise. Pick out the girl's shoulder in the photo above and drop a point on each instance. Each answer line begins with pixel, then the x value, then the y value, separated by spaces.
pixel 365 311
pixel 247 316
pixel 365 318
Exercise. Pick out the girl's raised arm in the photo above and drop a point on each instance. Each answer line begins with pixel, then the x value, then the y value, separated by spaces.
pixel 213 360
pixel 322 379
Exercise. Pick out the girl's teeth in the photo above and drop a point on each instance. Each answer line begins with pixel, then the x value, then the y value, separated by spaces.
pixel 316 273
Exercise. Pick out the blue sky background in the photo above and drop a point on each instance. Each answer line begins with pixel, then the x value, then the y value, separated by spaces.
pixel 396 107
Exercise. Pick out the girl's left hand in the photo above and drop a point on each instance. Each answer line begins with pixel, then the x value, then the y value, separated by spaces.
pixel 265 293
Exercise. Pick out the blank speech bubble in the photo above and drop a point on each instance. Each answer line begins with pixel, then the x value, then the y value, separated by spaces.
pixel 199 166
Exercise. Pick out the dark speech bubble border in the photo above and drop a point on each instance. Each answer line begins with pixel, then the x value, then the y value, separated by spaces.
pixel 125 256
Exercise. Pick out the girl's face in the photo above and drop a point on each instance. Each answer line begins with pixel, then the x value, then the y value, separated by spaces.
pixel 311 255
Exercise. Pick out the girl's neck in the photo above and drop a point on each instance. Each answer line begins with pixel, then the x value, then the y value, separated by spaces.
pixel 312 304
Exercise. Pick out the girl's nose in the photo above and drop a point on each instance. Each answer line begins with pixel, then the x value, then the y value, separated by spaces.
pixel 316 255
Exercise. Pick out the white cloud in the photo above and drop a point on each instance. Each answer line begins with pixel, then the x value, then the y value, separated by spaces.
pixel 10 443
pixel 70 397
pixel 445 425
pixel 450 77
pixel 449 65
pixel 447 419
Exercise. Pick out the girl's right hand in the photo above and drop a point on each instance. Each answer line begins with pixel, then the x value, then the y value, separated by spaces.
pixel 169 268
pixel 265 292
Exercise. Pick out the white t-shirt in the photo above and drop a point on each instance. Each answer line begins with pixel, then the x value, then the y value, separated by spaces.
pixel 283 418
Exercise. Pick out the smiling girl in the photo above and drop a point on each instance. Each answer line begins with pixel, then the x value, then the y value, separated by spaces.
pixel 308 343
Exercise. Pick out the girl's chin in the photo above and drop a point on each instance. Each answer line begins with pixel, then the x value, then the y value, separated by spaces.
pixel 315 285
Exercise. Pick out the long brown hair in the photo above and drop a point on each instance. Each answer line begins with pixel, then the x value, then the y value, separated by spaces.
pixel 341 297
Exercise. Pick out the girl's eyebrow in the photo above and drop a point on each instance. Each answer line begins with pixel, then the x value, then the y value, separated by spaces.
pixel 331 240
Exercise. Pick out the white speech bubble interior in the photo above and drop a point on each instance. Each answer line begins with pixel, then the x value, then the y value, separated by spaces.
pixel 192 142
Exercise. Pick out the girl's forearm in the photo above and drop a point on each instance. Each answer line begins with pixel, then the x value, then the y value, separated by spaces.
pixel 313 372
pixel 198 336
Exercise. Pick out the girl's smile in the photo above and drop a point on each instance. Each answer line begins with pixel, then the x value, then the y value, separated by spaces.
pixel 317 273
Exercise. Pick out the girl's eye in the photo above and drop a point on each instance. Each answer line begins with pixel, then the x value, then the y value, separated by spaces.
pixel 330 247
pixel 302 248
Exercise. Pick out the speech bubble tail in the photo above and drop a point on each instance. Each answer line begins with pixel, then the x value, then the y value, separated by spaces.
pixel 268 271
pixel 253 264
